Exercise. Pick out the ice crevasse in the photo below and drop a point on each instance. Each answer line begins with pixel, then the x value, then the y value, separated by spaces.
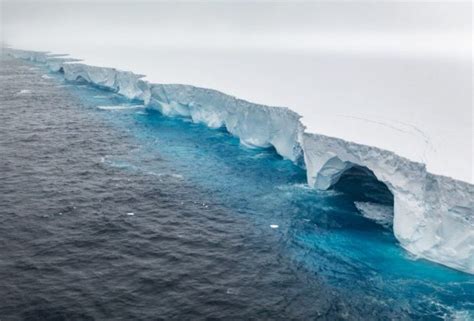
pixel 433 214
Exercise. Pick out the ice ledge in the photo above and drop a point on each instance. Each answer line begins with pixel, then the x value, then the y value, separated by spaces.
pixel 433 214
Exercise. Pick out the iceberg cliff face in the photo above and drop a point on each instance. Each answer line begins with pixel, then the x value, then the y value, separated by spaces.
pixel 125 83
pixel 433 215
pixel 255 125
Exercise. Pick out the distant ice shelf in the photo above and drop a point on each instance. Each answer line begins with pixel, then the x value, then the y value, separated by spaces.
pixel 433 214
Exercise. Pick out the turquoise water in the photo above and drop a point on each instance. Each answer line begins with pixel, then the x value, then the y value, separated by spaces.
pixel 322 231
pixel 318 234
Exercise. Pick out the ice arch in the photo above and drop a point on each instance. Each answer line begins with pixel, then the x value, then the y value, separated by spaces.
pixel 362 186
pixel 432 214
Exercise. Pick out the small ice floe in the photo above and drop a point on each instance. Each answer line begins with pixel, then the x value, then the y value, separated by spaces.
pixel 24 92
pixel 130 213
pixel 274 225
pixel 46 77
pixel 120 107
pixel 231 291
pixel 380 214
pixel 260 155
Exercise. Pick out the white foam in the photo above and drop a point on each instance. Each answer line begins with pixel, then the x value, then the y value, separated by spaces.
pixel 24 92
pixel 177 176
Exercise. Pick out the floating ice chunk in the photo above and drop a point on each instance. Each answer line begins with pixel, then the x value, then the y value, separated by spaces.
pixel 231 291
pixel 381 214
pixel 24 92
pixel 274 226
pixel 130 214
pixel 120 107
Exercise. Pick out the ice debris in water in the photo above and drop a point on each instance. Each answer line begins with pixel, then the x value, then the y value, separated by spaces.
pixel 381 214
pixel 231 291
pixel 130 214
pixel 273 225
pixel 120 107
pixel 24 91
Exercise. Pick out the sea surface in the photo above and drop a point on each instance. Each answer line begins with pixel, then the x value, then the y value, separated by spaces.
pixel 111 211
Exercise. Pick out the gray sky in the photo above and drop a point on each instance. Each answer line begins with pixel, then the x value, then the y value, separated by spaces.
pixel 426 28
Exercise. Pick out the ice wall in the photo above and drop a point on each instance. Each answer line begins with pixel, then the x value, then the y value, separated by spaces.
pixel 125 83
pixel 255 125
pixel 433 215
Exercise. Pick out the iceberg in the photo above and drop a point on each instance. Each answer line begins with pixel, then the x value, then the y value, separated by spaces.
pixel 433 214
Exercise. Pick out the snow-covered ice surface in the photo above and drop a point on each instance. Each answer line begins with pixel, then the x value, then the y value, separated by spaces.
pixel 433 214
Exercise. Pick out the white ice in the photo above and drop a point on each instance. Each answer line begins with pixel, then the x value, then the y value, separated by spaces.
pixel 120 107
pixel 381 214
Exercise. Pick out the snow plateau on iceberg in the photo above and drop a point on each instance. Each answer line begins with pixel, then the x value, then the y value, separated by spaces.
pixel 433 214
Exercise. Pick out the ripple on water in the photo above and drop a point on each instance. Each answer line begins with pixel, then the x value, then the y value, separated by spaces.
pixel 217 230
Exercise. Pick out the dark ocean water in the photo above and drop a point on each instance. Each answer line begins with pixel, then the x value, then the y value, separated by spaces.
pixel 109 211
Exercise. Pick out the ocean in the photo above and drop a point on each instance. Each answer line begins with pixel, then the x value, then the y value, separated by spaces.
pixel 112 211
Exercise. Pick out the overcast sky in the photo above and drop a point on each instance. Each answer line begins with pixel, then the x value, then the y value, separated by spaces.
pixel 423 28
